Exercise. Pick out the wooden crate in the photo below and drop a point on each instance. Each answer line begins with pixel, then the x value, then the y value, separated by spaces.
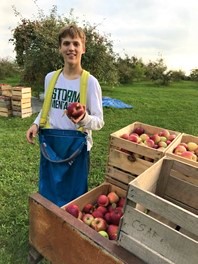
pixel 185 138
pixel 61 238
pixel 5 90
pixel 5 106
pixel 21 103
pixel 160 223
pixel 136 158
pixel 21 92
pixel 23 112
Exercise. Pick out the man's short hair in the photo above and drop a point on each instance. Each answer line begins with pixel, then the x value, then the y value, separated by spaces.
pixel 73 31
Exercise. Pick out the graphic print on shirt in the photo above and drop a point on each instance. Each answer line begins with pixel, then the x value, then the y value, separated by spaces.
pixel 61 98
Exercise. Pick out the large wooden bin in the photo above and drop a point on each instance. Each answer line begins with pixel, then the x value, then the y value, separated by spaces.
pixel 160 223
pixel 135 158
pixel 184 138
pixel 61 238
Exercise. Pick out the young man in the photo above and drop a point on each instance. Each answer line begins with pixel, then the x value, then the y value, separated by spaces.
pixel 67 89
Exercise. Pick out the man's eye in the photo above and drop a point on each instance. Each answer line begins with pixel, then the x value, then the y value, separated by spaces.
pixel 76 44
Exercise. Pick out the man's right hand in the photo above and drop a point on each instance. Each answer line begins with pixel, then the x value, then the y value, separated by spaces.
pixel 31 133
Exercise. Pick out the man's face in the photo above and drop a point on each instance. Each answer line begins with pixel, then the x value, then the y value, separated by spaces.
pixel 72 49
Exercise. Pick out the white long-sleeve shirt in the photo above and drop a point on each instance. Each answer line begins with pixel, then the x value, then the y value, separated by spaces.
pixel 67 91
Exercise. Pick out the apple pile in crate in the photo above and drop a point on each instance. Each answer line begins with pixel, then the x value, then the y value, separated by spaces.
pixel 103 216
pixel 157 141
pixel 187 150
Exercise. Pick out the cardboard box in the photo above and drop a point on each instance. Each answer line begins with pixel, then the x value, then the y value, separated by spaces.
pixel 160 223
pixel 185 138
pixel 131 157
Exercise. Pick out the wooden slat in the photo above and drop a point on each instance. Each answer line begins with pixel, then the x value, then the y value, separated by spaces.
pixel 182 192
pixel 119 175
pixel 122 161
pixel 159 237
pixel 139 249
pixel 164 177
pixel 168 210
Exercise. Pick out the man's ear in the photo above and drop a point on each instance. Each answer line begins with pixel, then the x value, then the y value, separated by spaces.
pixel 84 50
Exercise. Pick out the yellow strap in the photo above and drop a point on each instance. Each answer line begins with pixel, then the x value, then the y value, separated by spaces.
pixel 48 97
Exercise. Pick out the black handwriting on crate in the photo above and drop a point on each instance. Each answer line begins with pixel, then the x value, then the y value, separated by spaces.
pixel 146 230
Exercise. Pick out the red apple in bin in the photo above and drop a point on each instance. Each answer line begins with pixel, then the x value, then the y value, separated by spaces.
pixel 99 224
pixel 115 216
pixel 88 208
pixel 125 136
pixel 112 231
pixel 189 155
pixel 87 219
pixel 121 202
pixel 138 130
pixel 103 200
pixel 107 217
pixel 97 213
pixel 113 197
pixel 72 209
pixel 75 110
pixel 102 209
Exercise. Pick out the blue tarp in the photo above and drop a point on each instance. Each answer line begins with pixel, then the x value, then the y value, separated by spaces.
pixel 115 103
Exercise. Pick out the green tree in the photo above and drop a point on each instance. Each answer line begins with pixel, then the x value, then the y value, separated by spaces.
pixel 36 46
pixel 194 75
pixel 178 75
pixel 157 72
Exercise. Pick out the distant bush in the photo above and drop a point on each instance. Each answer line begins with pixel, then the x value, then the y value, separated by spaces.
pixel 8 68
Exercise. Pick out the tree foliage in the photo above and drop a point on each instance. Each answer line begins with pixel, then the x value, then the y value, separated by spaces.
pixel 194 75
pixel 36 46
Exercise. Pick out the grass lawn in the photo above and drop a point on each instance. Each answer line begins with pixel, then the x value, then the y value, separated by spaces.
pixel 174 107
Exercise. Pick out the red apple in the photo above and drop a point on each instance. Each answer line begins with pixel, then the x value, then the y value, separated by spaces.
pixel 134 138
pixel 75 110
pixel 156 138
pixel 102 209
pixel 149 143
pixel 111 207
pixel 107 217
pixel 115 216
pixel 125 136
pixel 171 137
pixel 103 200
pixel 113 197
pixel 99 224
pixel 112 231
pixel 73 209
pixel 138 130
pixel 189 155
pixel 97 213
pixel 121 202
pixel 87 219
pixel 183 144
pixel 88 208
pixel 179 149
pixel 165 133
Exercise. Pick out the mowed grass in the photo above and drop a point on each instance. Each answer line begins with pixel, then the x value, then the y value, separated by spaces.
pixel 174 107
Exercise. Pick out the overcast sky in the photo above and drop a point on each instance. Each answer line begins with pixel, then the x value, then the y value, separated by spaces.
pixel 146 29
